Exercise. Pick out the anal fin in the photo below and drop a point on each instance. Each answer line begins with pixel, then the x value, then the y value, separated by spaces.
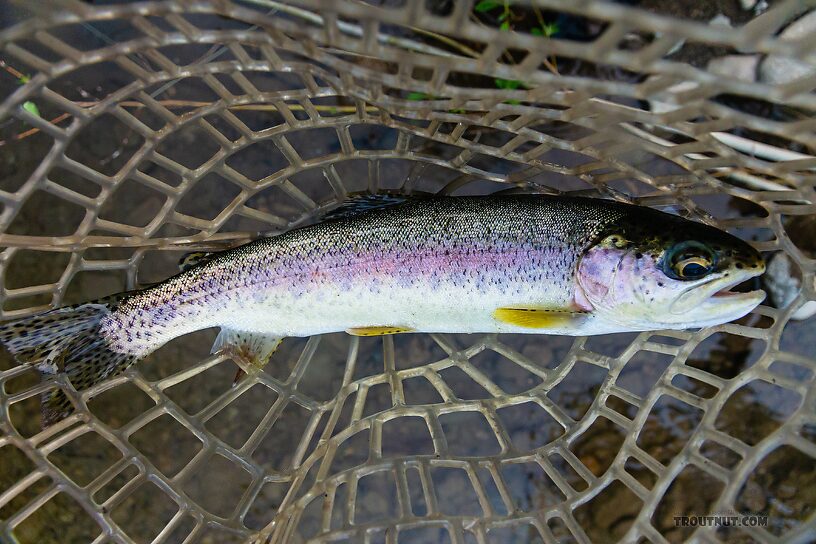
pixel 256 348
pixel 377 331
pixel 532 317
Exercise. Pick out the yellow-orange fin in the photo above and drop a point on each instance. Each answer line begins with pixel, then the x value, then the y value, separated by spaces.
pixel 535 318
pixel 377 331
pixel 253 347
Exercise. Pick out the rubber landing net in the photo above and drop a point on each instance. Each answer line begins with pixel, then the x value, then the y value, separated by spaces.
pixel 134 133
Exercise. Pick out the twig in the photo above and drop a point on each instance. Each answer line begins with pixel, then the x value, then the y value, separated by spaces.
pixel 13 71
pixel 759 149
pixel 352 29
pixel 459 46
pixel 193 104
pixel 752 181
pixel 552 66
pixel 250 107
pixel 34 130
pixel 545 61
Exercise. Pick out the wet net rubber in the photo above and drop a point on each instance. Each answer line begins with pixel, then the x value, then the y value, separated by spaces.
pixel 134 133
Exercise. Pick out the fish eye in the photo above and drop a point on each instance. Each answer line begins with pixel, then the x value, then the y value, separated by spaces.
pixel 688 261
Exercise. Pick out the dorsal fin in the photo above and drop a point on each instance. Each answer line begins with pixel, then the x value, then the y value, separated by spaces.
pixel 358 203
pixel 195 258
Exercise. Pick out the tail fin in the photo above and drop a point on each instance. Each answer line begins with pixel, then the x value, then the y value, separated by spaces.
pixel 66 340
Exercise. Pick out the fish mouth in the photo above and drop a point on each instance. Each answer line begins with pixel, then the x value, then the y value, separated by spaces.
pixel 726 303
pixel 738 295
pixel 725 291
pixel 718 298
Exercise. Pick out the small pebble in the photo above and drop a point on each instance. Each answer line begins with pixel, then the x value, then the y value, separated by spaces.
pixel 721 20
pixel 786 491
pixel 754 497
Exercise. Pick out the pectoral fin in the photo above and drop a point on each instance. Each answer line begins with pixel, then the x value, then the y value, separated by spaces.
pixel 254 347
pixel 377 331
pixel 536 318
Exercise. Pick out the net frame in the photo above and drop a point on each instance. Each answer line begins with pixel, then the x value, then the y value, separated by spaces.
pixel 324 44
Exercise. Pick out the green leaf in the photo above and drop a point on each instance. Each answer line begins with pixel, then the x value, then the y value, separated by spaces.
pixel 415 95
pixel 550 29
pixel 31 108
pixel 505 25
pixel 507 83
pixel 513 102
pixel 536 32
pixel 23 79
pixel 486 5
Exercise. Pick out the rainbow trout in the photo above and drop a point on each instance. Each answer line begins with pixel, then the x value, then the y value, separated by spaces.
pixel 496 264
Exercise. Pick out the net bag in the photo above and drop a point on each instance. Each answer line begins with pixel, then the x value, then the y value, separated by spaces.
pixel 134 133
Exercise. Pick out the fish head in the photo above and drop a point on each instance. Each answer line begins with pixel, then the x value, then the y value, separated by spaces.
pixel 659 271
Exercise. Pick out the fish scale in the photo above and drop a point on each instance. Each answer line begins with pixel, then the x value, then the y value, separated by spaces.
pixel 489 252
pixel 496 264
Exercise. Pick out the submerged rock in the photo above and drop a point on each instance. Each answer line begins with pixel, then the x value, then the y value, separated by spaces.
pixel 781 69
pixel 783 279
pixel 742 67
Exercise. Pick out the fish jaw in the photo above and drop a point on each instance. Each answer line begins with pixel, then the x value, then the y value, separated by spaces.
pixel 728 307
pixel 716 303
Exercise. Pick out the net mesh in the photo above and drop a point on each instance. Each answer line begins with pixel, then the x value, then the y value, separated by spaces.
pixel 137 132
